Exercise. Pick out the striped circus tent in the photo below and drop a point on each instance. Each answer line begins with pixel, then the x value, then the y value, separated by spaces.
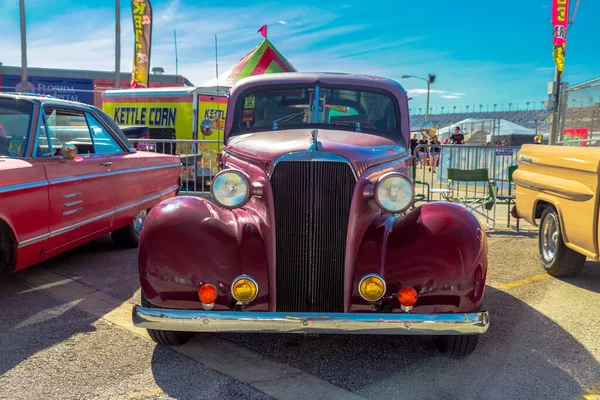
pixel 263 59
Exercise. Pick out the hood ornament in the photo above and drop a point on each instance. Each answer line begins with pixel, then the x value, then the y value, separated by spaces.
pixel 314 140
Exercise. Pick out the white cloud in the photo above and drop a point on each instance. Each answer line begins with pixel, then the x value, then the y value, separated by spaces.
pixel 282 22
pixel 451 96
pixel 416 92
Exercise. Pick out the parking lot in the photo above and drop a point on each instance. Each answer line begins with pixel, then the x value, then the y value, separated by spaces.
pixel 65 332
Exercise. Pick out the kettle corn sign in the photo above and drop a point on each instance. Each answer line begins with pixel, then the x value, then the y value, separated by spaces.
pixel 141 10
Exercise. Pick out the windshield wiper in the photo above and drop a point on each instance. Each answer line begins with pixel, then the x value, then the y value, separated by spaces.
pixel 356 124
pixel 285 119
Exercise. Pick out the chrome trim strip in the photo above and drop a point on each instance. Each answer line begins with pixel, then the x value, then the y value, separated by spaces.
pixel 99 217
pixel 72 203
pixel 69 195
pixel 22 186
pixel 73 211
pixel 126 171
pixel 101 174
pixel 78 178
pixel 34 240
pixel 333 323
pixel 314 156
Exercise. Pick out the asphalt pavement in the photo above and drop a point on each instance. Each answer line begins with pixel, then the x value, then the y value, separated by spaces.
pixel 65 333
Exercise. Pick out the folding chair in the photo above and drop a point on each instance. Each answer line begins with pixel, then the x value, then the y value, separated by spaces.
pixel 420 196
pixel 478 204
pixel 510 198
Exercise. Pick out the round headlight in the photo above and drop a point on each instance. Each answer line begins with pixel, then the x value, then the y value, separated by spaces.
pixel 371 287
pixel 244 289
pixel 230 188
pixel 394 192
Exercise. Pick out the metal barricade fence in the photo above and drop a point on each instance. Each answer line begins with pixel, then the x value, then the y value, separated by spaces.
pixel 198 160
pixel 496 159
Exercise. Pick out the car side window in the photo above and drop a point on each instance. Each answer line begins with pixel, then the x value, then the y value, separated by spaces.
pixel 104 143
pixel 68 126
pixel 45 146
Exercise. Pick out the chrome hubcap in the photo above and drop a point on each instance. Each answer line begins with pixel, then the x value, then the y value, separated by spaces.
pixel 139 220
pixel 550 233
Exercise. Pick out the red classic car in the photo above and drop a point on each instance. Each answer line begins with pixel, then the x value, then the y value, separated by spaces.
pixel 313 226
pixel 68 175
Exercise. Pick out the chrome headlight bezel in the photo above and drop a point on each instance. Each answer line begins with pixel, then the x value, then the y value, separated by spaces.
pixel 389 175
pixel 243 176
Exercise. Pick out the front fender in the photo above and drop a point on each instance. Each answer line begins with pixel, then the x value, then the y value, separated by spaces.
pixel 440 249
pixel 188 241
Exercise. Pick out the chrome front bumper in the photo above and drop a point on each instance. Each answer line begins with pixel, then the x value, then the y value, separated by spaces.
pixel 341 323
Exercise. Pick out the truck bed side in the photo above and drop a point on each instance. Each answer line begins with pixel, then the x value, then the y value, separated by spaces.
pixel 567 178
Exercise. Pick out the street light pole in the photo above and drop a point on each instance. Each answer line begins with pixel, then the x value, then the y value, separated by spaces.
pixel 428 89
pixel 117 44
pixel 24 79
pixel 430 79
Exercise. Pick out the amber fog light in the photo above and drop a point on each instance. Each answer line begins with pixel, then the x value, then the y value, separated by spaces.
pixel 371 287
pixel 407 297
pixel 207 295
pixel 244 289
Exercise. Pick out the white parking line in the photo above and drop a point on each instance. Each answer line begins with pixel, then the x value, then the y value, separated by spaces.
pixel 275 379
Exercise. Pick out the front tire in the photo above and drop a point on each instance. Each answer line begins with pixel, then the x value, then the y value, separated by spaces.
pixel 129 236
pixel 166 338
pixel 456 345
pixel 557 259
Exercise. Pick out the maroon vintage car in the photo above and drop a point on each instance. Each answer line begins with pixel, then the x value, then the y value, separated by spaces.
pixel 69 175
pixel 312 227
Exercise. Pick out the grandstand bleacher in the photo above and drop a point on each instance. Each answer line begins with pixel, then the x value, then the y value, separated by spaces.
pixel 532 119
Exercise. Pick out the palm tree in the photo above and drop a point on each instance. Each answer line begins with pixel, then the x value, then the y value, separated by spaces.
pixel 480 107
pixel 24 80
pixel 420 108
pixel 454 109
pixel 495 105
pixel 468 109
pixel 509 106
pixel 527 105
pixel 442 110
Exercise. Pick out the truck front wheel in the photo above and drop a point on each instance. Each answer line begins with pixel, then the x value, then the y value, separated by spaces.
pixel 166 338
pixel 557 259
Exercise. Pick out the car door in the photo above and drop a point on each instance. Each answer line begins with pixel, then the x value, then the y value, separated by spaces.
pixel 125 166
pixel 81 190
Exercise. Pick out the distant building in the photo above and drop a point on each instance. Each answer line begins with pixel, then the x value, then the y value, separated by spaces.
pixel 78 85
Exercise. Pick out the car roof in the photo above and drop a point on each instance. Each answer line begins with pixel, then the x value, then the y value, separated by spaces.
pixel 41 99
pixel 333 77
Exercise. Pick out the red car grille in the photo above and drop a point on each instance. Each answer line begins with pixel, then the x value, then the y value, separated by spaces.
pixel 312 205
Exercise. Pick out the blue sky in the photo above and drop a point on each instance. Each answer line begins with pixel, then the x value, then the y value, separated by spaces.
pixel 483 52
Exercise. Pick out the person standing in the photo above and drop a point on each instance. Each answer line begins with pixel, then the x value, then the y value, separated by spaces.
pixel 457 137
pixel 423 142
pixel 434 152
pixel 413 145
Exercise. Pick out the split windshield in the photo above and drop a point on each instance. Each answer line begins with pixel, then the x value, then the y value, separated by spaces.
pixel 289 108
pixel 15 118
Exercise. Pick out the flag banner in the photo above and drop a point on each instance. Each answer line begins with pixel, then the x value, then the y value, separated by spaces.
pixel 141 10
pixel 263 31
pixel 560 18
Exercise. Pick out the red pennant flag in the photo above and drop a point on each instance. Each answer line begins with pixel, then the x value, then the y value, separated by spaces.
pixel 263 31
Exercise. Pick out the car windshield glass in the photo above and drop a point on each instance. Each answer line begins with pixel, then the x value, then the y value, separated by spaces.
pixel 352 109
pixel 15 118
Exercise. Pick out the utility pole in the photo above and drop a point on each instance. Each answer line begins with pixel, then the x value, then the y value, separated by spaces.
pixel 24 80
pixel 117 44
pixel 555 130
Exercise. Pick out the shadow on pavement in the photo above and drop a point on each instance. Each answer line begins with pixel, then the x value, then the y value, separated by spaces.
pixel 523 355
pixel 31 320
pixel 588 278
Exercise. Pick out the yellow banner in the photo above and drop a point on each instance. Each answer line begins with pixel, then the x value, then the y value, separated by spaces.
pixel 141 11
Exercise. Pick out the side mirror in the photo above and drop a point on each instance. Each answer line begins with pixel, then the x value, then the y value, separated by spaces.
pixel 207 127
pixel 68 151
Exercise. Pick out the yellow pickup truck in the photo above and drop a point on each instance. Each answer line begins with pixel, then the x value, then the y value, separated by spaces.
pixel 558 186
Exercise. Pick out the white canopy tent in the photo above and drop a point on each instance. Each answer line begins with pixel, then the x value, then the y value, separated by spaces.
pixel 494 127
